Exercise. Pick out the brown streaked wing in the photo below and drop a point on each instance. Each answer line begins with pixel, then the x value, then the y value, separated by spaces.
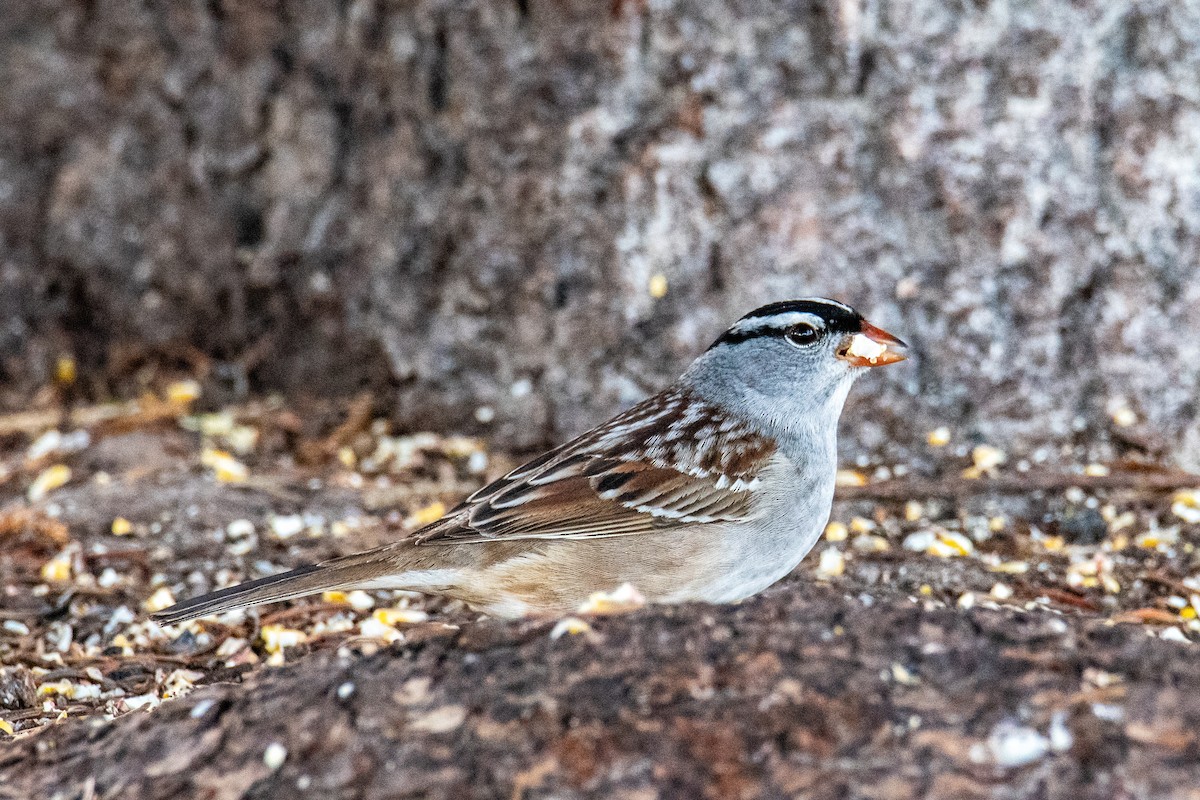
pixel 654 467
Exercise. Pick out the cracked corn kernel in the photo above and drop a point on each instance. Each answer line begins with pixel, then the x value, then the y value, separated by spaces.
pixel 277 638
pixel 1124 417
pixel 226 468
pixel 65 370
pixel 121 527
pixel 938 437
pixel 400 616
pixel 849 477
pixel 6 727
pixel 572 626
pixel 913 511
pixel 861 525
pixel 624 598
pixel 1186 506
pixel 430 513
pixel 984 459
pixel 58 569
pixel 183 392
pixel 162 598
pixel 375 628
pixel 1096 470
pixel 836 532
pixel 950 544
pixel 925 589
pixel 48 480
pixel 1187 612
pixel 658 286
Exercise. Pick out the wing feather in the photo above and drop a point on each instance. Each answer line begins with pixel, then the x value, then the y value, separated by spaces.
pixel 648 469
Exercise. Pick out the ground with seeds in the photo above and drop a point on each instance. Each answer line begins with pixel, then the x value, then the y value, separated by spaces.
pixel 976 627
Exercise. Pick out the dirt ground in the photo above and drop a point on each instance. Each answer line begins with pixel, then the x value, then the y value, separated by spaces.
pixel 977 627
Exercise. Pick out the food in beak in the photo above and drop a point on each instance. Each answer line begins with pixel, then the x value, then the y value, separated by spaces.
pixel 872 347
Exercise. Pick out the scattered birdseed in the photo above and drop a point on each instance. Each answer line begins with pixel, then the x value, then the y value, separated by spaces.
pixel 58 568
pixel 477 462
pixel 938 437
pixel 1186 506
pixel 374 628
pixel 180 682
pixel 345 691
pixel 658 286
pixel 162 598
pixel 439 720
pixel 239 529
pixel 6 727
pixel 832 563
pixel 1001 591
pixel 950 544
pixel 183 392
pixel 55 442
pixel 861 525
pixel 286 526
pixel 985 459
pixel 850 477
pixel 277 638
pixel 913 511
pixel 226 468
pixel 622 599
pixel 1012 744
pixel 274 756
pixel 1096 470
pixel 870 543
pixel 360 600
pixel 400 616
pixel 430 513
pixel 146 701
pixel 47 481
pixel 569 625
pixel 902 675
pixel 1124 417
pixel 836 532
pixel 15 627
pixel 121 527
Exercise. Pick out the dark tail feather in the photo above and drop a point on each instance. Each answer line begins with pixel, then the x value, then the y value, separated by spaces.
pixel 284 586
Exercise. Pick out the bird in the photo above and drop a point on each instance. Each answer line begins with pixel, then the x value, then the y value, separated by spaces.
pixel 711 490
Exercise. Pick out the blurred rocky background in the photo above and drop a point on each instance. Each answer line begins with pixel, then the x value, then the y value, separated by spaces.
pixel 516 217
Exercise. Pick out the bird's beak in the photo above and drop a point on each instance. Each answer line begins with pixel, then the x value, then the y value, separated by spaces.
pixel 872 347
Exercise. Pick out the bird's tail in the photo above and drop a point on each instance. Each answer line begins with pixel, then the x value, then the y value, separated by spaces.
pixel 339 573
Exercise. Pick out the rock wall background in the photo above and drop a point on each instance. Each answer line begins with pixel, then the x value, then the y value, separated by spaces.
pixel 465 203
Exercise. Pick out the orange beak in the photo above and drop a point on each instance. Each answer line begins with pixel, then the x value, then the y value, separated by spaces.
pixel 872 347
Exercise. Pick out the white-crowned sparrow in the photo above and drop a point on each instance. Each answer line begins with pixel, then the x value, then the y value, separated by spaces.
pixel 712 490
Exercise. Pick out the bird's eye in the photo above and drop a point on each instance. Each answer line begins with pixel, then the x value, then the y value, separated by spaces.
pixel 802 334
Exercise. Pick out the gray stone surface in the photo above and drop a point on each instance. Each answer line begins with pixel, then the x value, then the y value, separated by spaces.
pixel 475 197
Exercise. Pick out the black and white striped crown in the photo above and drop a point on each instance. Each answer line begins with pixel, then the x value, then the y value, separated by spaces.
pixel 776 319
